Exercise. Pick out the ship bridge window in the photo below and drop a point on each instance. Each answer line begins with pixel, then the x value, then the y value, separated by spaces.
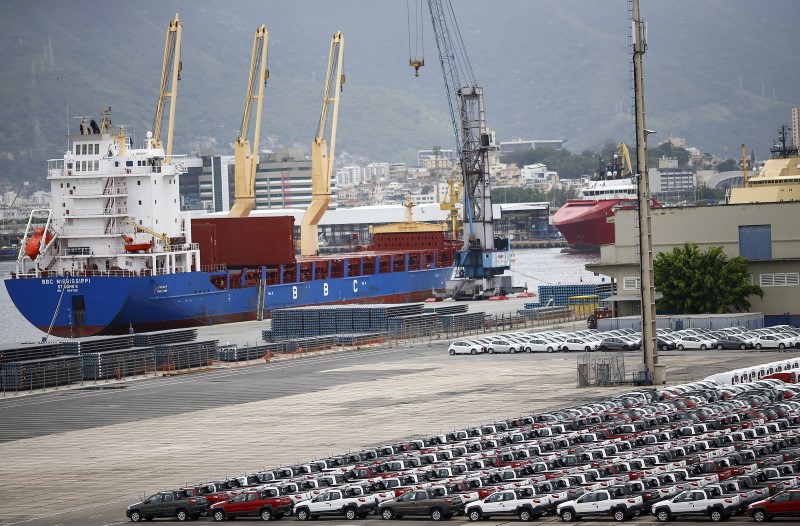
pixel 128 163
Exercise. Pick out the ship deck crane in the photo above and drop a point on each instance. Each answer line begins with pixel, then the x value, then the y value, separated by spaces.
pixel 484 257
pixel 321 156
pixel 245 159
pixel 172 67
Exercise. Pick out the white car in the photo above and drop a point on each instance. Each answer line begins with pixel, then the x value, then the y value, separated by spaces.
pixel 465 347
pixel 773 341
pixel 694 342
pixel 534 344
pixel 580 344
pixel 502 345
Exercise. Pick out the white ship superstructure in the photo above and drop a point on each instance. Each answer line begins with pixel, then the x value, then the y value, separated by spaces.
pixel 115 210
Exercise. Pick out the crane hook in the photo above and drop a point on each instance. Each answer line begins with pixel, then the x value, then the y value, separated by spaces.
pixel 416 64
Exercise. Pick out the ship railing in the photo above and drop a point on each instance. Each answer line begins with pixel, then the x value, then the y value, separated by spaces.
pixel 91 212
pixel 185 247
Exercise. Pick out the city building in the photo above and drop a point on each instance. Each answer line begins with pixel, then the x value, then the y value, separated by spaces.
pixel 519 145
pixel 670 183
pixel 436 153
pixel 375 172
pixel 537 175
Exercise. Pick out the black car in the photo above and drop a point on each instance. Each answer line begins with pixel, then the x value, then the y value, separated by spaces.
pixel 177 504
pixel 732 342
pixel 422 502
pixel 616 344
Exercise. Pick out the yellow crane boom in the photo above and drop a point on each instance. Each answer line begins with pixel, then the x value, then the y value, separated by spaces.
pixel 321 157
pixel 172 64
pixel 245 159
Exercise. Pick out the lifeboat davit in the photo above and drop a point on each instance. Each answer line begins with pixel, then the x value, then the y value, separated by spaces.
pixel 35 241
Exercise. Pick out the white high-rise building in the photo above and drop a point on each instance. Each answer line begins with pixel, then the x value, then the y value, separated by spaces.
pixel 374 172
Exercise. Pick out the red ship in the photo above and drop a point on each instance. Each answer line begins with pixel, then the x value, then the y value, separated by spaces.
pixel 586 222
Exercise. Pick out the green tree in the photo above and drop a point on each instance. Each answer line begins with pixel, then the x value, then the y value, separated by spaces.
pixel 728 165
pixel 695 282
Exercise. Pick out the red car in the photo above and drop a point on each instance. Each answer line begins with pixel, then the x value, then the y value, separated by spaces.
pixel 266 504
pixel 783 504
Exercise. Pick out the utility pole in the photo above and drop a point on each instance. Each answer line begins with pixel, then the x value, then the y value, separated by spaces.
pixel 647 286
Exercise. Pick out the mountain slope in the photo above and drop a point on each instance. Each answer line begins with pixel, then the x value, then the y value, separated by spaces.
pixel 718 72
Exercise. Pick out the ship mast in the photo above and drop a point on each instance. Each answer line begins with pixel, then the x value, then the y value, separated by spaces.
pixel 647 285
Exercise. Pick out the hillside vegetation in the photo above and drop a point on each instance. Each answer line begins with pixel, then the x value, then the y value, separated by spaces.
pixel 719 73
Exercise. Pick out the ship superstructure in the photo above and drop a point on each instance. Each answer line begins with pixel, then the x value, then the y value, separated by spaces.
pixel 778 180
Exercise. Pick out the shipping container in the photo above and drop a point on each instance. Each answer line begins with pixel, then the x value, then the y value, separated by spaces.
pixel 238 242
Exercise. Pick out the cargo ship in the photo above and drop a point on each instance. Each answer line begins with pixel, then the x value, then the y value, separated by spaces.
pixel 778 178
pixel 587 222
pixel 115 253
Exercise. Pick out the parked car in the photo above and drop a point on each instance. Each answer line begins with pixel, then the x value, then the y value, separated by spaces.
pixel 336 501
pixel 580 344
pixel 265 504
pixel 465 347
pixel 540 344
pixel 421 502
pixel 615 344
pixel 697 502
pixel 173 504
pixel 686 341
pixel 733 342
pixel 773 341
pixel 783 504
pixel 502 345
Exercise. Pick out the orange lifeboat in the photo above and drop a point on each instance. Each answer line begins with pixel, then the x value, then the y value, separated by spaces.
pixel 130 246
pixel 34 242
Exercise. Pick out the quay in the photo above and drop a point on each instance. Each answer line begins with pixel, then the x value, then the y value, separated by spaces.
pixel 96 449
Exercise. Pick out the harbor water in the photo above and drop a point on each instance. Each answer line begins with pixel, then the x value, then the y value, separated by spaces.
pixel 531 267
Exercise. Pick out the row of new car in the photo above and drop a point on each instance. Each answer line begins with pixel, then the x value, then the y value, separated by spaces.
pixel 778 337
pixel 548 341
pixel 695 449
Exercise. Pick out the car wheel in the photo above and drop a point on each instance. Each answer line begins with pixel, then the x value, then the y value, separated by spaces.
pixel 474 514
pixel 760 515
pixel 387 514
pixel 781 346
pixel 603 348
pixel 703 347
pixel 452 352
pixel 743 346
pixel 587 349
pixel 266 514
pixel 549 349
pixel 620 515
pixel 715 515
pixel 525 515
pixel 350 514
pixel 719 346
pixel 490 351
pixel 680 347
pixel 436 514
pixel 473 351
pixel 758 346
pixel 181 516
pixel 665 347
pixel 568 515
pixel 662 515
pixel 136 516
pixel 303 514
pixel 218 515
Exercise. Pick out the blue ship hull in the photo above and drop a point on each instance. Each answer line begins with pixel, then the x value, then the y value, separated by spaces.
pixel 87 305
